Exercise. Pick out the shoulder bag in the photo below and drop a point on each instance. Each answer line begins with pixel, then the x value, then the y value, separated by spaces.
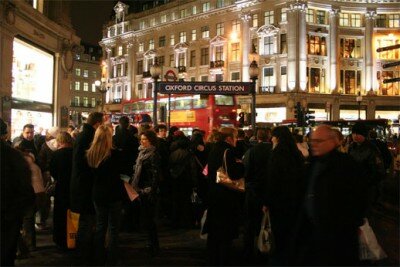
pixel 224 179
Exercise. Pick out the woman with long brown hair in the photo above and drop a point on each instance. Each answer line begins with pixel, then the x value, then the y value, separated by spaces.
pixel 108 192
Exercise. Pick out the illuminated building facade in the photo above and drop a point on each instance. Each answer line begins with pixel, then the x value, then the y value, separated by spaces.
pixel 37 47
pixel 318 53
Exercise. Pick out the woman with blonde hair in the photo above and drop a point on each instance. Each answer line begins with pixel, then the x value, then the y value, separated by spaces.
pixel 108 192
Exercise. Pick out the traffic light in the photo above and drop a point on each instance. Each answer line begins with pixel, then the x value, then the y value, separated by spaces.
pixel 299 115
pixel 309 117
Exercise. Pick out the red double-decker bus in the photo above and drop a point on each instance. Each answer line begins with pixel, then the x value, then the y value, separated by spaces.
pixel 187 112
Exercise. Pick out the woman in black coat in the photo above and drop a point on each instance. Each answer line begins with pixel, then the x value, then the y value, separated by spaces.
pixel 60 169
pixel 108 193
pixel 283 191
pixel 222 215
pixel 146 182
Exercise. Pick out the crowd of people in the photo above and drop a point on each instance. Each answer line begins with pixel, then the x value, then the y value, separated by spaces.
pixel 317 189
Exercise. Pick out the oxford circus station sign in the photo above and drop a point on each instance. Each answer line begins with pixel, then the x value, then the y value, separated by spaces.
pixel 209 88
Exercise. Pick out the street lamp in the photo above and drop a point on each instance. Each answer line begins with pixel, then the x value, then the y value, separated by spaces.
pixel 102 86
pixel 155 71
pixel 253 73
pixel 359 100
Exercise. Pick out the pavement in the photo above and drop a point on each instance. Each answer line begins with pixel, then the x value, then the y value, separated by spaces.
pixel 183 247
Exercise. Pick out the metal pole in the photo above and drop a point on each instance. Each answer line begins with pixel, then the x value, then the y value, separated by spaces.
pixel 169 111
pixel 155 122
pixel 253 105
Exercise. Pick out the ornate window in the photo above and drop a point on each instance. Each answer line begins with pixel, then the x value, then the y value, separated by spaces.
pixel 316 45
pixel 388 88
pixel 220 28
pixel 344 19
pixel 350 48
pixel 182 37
pixel 394 20
pixel 255 20
pixel 236 26
pixel 269 17
pixel 205 32
pixel 310 15
pixel 350 81
pixel 316 80
pixel 235 52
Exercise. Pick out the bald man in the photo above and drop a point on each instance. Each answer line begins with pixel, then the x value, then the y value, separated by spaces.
pixel 333 205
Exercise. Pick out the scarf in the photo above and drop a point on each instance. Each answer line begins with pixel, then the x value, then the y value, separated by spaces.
pixel 144 153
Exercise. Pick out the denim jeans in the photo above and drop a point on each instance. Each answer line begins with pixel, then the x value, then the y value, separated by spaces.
pixel 108 216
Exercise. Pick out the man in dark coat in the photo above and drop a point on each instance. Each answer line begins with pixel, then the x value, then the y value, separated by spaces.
pixel 333 208
pixel 81 187
pixel 256 167
pixel 16 194
pixel 25 142
pixel 369 157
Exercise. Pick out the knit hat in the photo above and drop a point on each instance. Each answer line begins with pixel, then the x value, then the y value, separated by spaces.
pixel 53 131
pixel 3 127
pixel 360 128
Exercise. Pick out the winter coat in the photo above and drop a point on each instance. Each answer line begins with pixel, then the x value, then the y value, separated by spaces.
pixel 128 145
pixel 82 176
pixel 223 210
pixel 60 170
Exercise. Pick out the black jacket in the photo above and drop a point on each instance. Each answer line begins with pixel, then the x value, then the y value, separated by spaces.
pixel 82 177
pixel 16 189
pixel 128 145
pixel 150 174
pixel 223 211
pixel 107 186
pixel 60 170
pixel 332 212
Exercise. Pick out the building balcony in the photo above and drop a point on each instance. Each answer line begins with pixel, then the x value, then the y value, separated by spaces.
pixel 181 69
pixel 217 64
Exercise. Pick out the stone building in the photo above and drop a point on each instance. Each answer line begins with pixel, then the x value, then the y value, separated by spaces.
pixel 84 95
pixel 37 47
pixel 320 53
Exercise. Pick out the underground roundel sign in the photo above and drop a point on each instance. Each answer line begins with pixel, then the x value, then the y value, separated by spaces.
pixel 170 76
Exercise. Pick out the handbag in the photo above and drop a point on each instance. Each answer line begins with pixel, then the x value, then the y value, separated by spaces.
pixel 369 247
pixel 72 228
pixel 224 179
pixel 265 238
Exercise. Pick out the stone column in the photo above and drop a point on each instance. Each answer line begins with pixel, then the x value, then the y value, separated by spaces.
pixel 131 72
pixel 245 46
pixel 297 48
pixel 369 61
pixel 333 77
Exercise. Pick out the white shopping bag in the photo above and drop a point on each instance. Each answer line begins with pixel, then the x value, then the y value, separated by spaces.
pixel 369 246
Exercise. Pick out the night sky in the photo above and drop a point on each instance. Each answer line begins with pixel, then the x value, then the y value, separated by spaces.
pixel 89 16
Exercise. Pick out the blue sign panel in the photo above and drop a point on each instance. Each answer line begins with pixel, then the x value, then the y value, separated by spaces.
pixel 207 88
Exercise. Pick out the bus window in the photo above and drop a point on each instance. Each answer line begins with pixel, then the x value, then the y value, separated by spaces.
pixel 126 109
pixel 140 107
pixel 199 102
pixel 223 100
pixel 185 103
pixel 148 106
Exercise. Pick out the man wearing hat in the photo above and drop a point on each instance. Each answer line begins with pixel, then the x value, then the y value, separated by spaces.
pixel 368 156
pixel 16 194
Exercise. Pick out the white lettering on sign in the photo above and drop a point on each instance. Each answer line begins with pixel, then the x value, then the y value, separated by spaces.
pixel 231 88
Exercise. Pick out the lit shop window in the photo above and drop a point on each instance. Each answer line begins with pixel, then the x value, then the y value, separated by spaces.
pixel 182 37
pixel 394 20
pixel 194 35
pixel 236 26
pixel 205 32
pixel 316 45
pixel 388 41
pixel 350 81
pixel 284 14
pixel 235 52
pixel 220 28
pixel 255 20
pixel 316 80
pixel 350 48
pixel 269 17
pixel 206 6
pixel 388 88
